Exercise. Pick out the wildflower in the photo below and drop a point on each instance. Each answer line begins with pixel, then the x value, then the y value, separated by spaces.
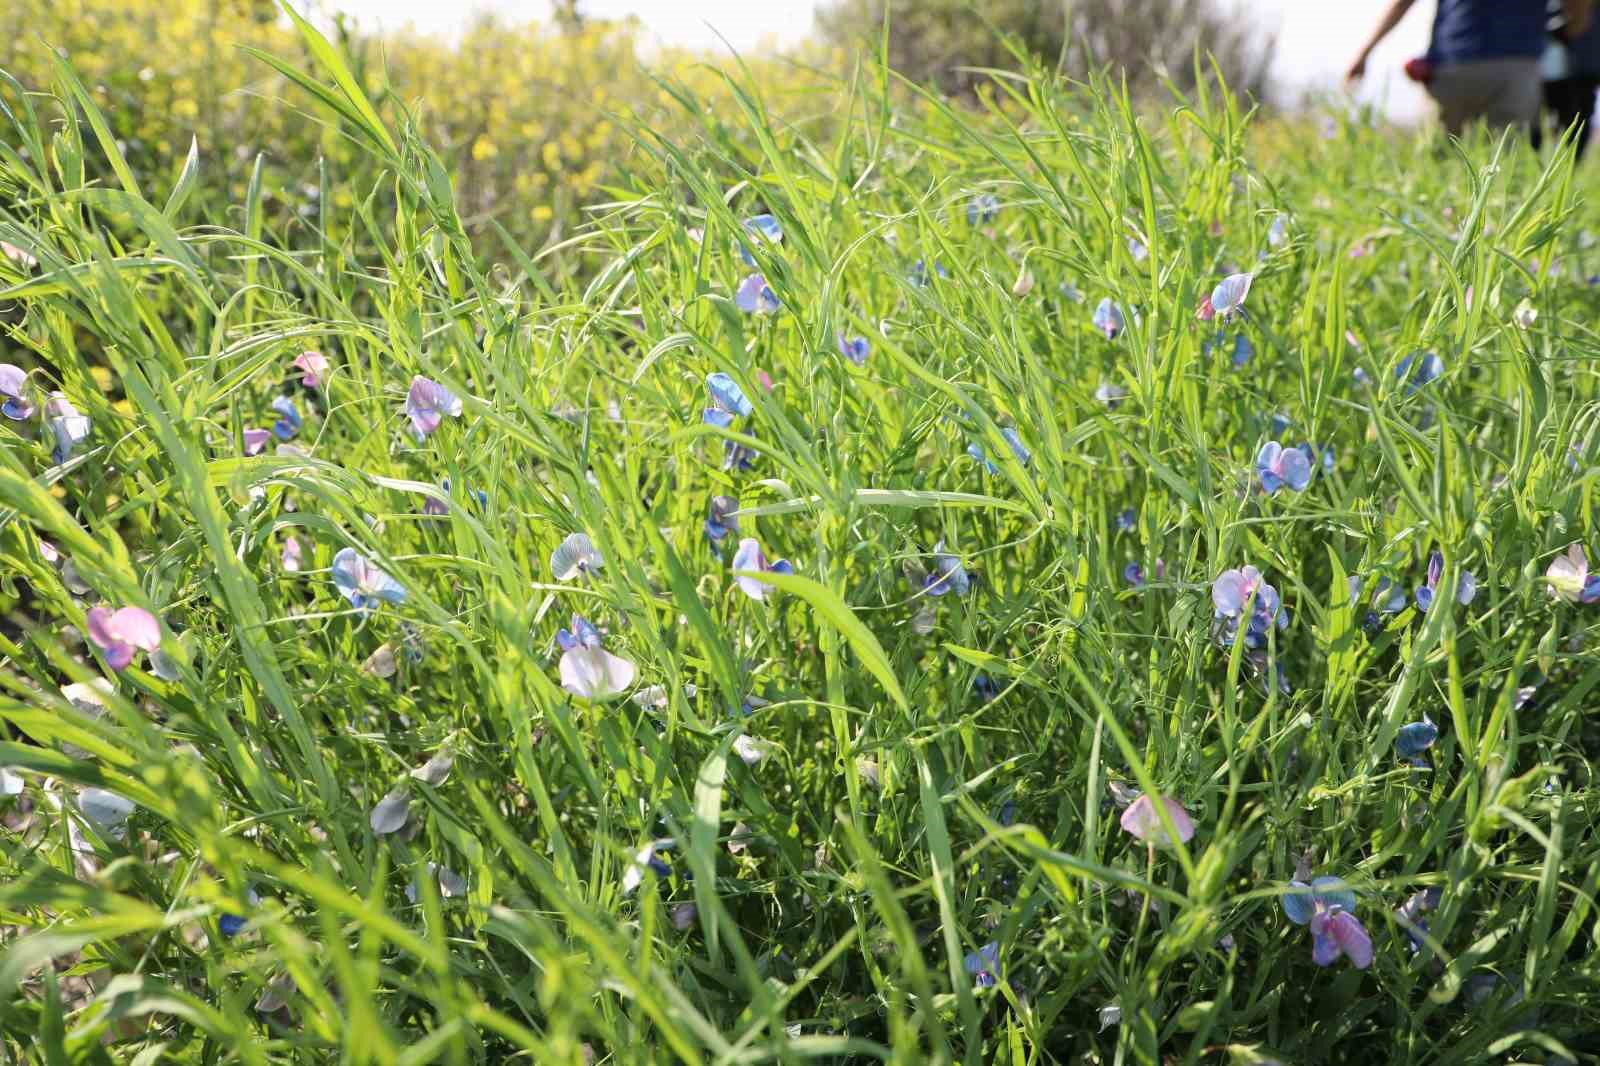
pixel 19 256
pixel 390 813
pixel 1108 318
pixel 983 208
pixel 362 583
pixel 684 915
pixel 231 925
pixel 436 771
pixel 1466 586
pixel 10 783
pixel 1137 249
pixel 118 634
pixel 727 401
pixel 1227 299
pixel 1133 574
pixel 1278 232
pixel 255 440
pixel 721 520
pixel 1414 738
pixel 450 883
pixel 313 367
pixel 1110 395
pixel 1570 579
pixel 761 228
pixel 14 387
pixel 1024 283
pixel 984 687
pixel 575 556
pixel 948 574
pixel 1229 594
pixel 755 296
pixel 381 663
pixel 749 749
pixel 855 349
pixel 1427 368
pixel 1070 291
pixel 646 859
pixel 1126 520
pixel 68 426
pixel 737 456
pixel 293 555
pixel 1013 439
pixel 427 404
pixel 1525 315
pixel 106 810
pixel 587 669
pixel 983 965
pixel 1278 466
pixel 750 557
pixel 1410 914
pixel 1143 821
pixel 1243 351
pixel 919 272
pixel 1328 908
pixel 288 423
pixel 1109 1015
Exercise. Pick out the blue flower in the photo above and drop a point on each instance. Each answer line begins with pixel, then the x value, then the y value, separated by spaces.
pixel 67 425
pixel 362 583
pixel 1329 909
pixel 1243 351
pixel 760 227
pixel 919 272
pixel 984 687
pixel 1133 574
pixel 737 457
pixel 1108 318
pixel 948 575
pixel 230 925
pixel 1126 520
pixel 1410 914
pixel 855 349
pixel 983 208
pixel 14 387
pixel 1013 439
pixel 1428 368
pixel 1414 738
pixel 288 423
pixel 721 520
pixel 727 401
pixel 1466 585
pixel 1279 466
pixel 1229 594
pixel 755 296
pixel 983 965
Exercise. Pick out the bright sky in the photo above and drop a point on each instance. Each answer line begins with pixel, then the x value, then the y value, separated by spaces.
pixel 1316 38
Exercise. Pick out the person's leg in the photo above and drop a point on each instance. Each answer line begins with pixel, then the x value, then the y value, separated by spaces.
pixel 1582 105
pixel 1511 92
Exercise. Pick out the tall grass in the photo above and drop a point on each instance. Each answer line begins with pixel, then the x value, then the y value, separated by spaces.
pixel 923 794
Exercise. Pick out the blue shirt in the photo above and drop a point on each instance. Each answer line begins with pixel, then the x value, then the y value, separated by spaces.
pixel 1469 30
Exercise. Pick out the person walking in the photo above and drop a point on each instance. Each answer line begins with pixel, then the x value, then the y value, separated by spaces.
pixel 1483 57
pixel 1571 78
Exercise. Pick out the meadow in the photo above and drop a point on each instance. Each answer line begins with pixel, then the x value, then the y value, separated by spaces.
pixel 1036 580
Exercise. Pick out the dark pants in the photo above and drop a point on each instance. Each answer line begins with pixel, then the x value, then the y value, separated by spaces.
pixel 1570 100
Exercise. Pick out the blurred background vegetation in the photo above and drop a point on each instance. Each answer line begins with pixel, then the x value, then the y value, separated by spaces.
pixel 534 116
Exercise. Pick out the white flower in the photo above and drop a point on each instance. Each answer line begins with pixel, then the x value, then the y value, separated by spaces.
pixel 574 556
pixel 751 750
pixel 389 816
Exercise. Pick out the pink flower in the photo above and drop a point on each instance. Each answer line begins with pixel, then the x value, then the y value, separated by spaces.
pixel 1142 820
pixel 314 368
pixel 293 555
pixel 118 634
pixel 255 440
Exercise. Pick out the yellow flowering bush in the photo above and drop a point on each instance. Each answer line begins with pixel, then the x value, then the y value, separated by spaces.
pixel 532 116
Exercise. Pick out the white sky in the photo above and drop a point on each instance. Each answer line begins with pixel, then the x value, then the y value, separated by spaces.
pixel 1316 40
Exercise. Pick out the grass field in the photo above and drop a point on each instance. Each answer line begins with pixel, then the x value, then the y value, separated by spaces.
pixel 1013 762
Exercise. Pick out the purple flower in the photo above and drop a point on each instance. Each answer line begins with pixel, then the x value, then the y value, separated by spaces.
pixel 721 520
pixel 983 208
pixel 855 349
pixel 983 965
pixel 293 555
pixel 1143 821
pixel 1327 907
pixel 587 669
pixel 728 401
pixel 118 634
pixel 362 583
pixel 755 296
pixel 288 423
pixel 574 556
pixel 14 387
pixel 751 558
pixel 313 367
pixel 67 426
pixel 1410 914
pixel 948 575
pixel 1227 299
pixel 255 440
pixel 1108 318
pixel 432 505
pixel 1466 586
pixel 1133 574
pixel 1229 594
pixel 1279 466
pixel 427 404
